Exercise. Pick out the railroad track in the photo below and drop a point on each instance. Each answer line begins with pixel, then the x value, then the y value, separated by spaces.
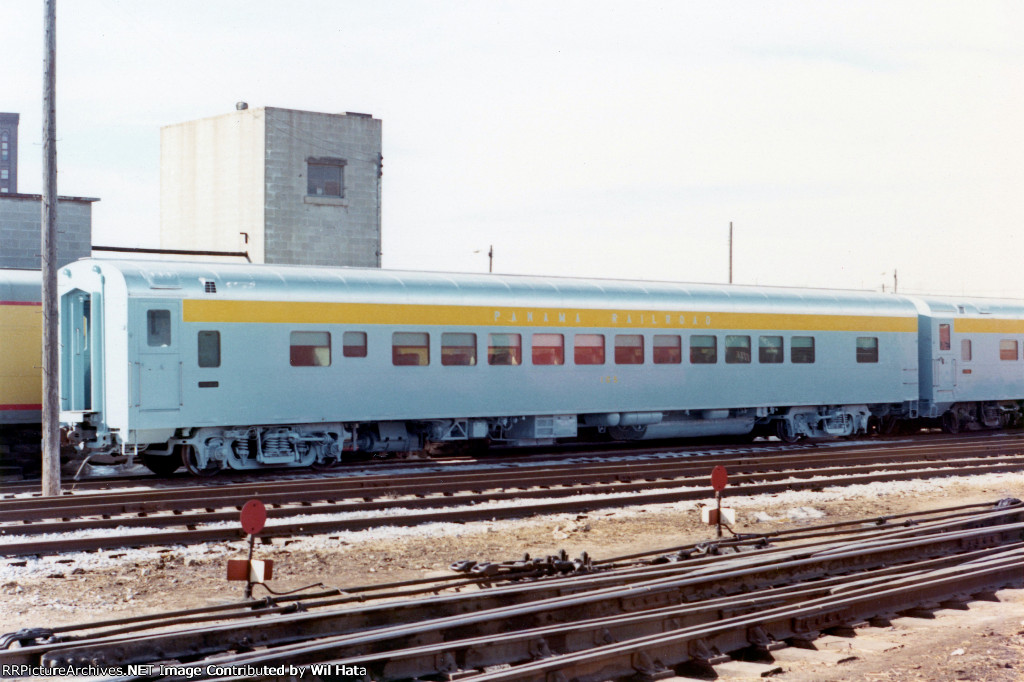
pixel 139 477
pixel 346 503
pixel 607 620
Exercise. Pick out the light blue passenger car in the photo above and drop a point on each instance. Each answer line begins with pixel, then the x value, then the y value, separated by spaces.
pixel 245 366
pixel 972 366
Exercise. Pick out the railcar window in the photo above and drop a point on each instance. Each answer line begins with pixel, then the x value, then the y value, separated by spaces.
pixel 801 350
pixel 458 348
pixel 629 349
pixel 158 327
pixel 965 350
pixel 588 349
pixel 703 350
pixel 410 349
pixel 1008 349
pixel 209 349
pixel 867 349
pixel 770 350
pixel 944 337
pixel 668 349
pixel 353 344
pixel 504 349
pixel 548 349
pixel 737 349
pixel 311 349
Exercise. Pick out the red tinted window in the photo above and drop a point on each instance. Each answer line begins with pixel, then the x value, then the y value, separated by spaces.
pixel 548 349
pixel 588 349
pixel 629 349
pixel 668 349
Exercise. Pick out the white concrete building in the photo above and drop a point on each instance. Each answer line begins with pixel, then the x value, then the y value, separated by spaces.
pixel 285 186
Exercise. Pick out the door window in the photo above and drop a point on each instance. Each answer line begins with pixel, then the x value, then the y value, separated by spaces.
pixel 158 328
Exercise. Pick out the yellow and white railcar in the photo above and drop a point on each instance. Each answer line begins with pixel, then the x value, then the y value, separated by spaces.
pixel 21 379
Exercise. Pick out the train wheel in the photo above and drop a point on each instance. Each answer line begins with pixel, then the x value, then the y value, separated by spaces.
pixel 188 458
pixel 951 422
pixel 784 432
pixel 161 465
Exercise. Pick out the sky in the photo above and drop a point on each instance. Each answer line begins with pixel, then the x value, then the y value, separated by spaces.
pixel 845 142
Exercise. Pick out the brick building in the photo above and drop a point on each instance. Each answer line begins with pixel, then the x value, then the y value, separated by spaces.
pixel 9 153
pixel 21 224
pixel 286 186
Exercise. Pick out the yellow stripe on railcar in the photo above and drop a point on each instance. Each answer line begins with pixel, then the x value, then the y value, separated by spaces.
pixel 285 312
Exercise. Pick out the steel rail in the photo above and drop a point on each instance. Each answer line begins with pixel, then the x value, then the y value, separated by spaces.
pixel 638 496
pixel 551 602
pixel 458 657
pixel 617 661
pixel 420 586
pixel 285 505
pixel 631 470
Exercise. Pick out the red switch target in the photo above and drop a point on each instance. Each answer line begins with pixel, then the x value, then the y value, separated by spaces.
pixel 719 478
pixel 254 517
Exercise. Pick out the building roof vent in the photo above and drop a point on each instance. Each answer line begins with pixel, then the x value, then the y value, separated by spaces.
pixel 241 106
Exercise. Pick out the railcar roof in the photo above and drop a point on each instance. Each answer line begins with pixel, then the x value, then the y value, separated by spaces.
pixel 970 307
pixel 283 282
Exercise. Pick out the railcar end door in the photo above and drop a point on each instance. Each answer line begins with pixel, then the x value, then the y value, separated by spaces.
pixel 944 362
pixel 158 371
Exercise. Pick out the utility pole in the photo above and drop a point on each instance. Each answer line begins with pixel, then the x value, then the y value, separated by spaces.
pixel 51 399
pixel 730 252
pixel 490 259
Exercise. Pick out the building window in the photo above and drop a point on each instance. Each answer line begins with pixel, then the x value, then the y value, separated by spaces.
pixel 769 350
pixel 668 349
pixel 801 350
pixel 629 349
pixel 703 350
pixel 209 349
pixel 310 349
pixel 5 174
pixel 458 348
pixel 965 350
pixel 867 349
pixel 410 349
pixel 504 349
pixel 353 344
pixel 737 349
pixel 548 349
pixel 588 349
pixel 325 177
pixel 1008 349
pixel 158 328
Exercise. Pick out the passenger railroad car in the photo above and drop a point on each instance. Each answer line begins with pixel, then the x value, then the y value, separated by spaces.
pixel 971 361
pixel 245 366
pixel 21 378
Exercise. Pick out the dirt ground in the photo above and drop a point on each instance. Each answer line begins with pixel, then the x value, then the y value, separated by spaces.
pixel 985 642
